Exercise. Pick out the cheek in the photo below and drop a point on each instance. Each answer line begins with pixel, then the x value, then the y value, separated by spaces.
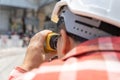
pixel 58 45
pixel 59 48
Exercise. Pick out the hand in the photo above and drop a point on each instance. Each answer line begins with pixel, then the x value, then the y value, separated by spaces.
pixel 35 51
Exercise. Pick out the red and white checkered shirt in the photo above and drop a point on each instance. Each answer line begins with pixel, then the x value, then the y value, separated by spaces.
pixel 97 59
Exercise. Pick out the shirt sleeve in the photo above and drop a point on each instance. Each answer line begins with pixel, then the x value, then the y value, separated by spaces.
pixel 18 71
pixel 36 74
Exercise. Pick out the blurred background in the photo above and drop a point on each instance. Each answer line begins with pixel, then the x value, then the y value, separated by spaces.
pixel 19 21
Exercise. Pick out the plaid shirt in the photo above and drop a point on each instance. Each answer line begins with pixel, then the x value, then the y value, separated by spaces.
pixel 97 59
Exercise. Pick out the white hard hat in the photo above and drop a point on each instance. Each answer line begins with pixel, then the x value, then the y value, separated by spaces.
pixel 105 10
pixel 101 10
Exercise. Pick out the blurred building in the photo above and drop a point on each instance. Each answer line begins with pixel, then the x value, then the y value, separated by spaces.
pixel 24 16
pixel 13 13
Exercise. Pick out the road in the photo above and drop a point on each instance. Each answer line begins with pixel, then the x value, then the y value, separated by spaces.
pixel 9 58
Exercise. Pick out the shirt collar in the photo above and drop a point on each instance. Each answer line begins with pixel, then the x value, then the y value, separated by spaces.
pixel 99 44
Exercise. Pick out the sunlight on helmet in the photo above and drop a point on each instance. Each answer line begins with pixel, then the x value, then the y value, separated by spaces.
pixel 101 4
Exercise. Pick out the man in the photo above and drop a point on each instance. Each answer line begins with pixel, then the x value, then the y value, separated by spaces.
pixel 88 47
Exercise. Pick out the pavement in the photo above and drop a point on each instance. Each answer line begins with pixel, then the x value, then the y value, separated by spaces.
pixel 9 58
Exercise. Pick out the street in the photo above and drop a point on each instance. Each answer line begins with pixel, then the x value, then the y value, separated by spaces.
pixel 9 58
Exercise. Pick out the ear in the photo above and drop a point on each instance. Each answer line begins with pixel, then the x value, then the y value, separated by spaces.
pixel 66 44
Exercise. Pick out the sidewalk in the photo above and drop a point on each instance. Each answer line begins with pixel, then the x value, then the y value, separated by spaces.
pixel 5 42
pixel 9 58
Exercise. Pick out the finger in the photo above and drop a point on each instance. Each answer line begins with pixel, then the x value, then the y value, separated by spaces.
pixel 40 35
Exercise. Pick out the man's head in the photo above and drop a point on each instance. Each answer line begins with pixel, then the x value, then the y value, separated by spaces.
pixel 82 20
